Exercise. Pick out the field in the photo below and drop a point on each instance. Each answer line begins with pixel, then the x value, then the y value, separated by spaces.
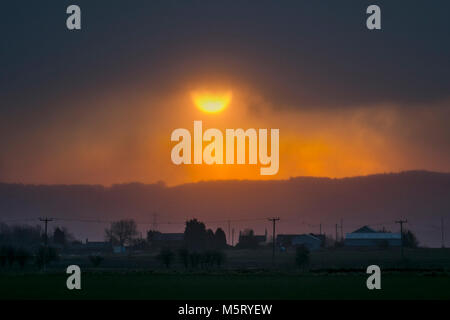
pixel 332 274
pixel 129 285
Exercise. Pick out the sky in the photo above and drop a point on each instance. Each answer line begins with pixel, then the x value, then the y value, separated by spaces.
pixel 98 106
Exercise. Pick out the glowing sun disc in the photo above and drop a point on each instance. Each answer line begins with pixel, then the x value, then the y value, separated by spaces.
pixel 211 102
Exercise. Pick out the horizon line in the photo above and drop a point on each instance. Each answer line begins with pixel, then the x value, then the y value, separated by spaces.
pixel 164 184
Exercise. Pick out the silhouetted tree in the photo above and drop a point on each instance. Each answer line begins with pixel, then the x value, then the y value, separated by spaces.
pixel 20 235
pixel 210 240
pixel 218 257
pixel 195 235
pixel 166 256
pixel 410 239
pixel 59 237
pixel 206 259
pixel 3 258
pixel 183 253
pixel 151 235
pixel 194 259
pixel 10 255
pixel 122 232
pixel 5 233
pixel 220 239
pixel 46 255
pixel 22 257
pixel 211 258
pixel 247 240
pixel 96 260
pixel 301 256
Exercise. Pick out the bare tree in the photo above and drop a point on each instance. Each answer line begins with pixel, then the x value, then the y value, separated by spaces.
pixel 122 232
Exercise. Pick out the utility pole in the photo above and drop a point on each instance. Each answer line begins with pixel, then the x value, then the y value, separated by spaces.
pixel 155 222
pixel 320 228
pixel 336 233
pixel 342 230
pixel 229 234
pixel 232 237
pixel 46 221
pixel 442 232
pixel 401 222
pixel 274 221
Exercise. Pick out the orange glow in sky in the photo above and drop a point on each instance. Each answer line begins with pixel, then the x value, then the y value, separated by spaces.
pixel 125 137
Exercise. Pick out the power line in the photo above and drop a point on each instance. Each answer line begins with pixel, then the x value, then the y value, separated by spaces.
pixel 319 226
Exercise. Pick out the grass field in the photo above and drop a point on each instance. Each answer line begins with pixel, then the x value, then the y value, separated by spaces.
pixel 247 274
pixel 423 258
pixel 138 285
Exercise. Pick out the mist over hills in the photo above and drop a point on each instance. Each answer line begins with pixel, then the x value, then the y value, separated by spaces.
pixel 302 203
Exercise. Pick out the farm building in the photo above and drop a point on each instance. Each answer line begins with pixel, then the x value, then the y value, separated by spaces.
pixel 310 241
pixel 168 239
pixel 89 247
pixel 367 237
pixel 247 239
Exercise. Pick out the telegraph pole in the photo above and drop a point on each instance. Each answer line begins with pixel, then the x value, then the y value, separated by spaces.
pixel 401 222
pixel 232 237
pixel 442 232
pixel 46 221
pixel 274 221
pixel 342 230
pixel 229 234
pixel 336 233
pixel 155 222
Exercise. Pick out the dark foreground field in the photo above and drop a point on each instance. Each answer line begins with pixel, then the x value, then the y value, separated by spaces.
pixel 246 274
pixel 139 285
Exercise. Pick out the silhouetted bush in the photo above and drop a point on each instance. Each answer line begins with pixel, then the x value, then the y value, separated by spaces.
pixel 383 244
pixel 183 253
pixel 2 256
pixel 207 259
pixel 45 256
pixel 301 256
pixel 220 239
pixel 410 239
pixel 7 255
pixel 195 235
pixel 22 256
pixel 212 258
pixel 20 235
pixel 195 259
pixel 247 240
pixel 166 256
pixel 95 260
pixel 10 255
pixel 218 257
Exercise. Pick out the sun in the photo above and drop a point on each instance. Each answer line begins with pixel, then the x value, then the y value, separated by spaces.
pixel 211 102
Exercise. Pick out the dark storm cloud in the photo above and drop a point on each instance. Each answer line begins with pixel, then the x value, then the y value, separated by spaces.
pixel 83 94
pixel 309 53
